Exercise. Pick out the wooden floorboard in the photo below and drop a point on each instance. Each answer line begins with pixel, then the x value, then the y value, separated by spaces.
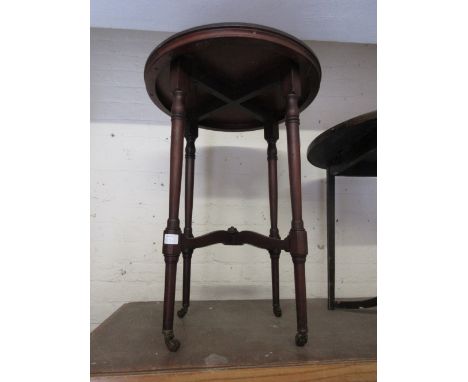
pixel 333 372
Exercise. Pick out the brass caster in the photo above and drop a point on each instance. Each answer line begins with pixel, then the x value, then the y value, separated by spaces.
pixel 301 338
pixel 182 311
pixel 277 310
pixel 172 343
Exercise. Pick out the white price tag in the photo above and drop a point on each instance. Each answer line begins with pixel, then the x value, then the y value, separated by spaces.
pixel 170 238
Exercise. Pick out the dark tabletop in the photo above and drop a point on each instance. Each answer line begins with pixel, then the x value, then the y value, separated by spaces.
pixel 235 73
pixel 349 148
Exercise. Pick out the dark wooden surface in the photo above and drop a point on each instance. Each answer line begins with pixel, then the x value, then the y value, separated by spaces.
pixel 349 371
pixel 348 149
pixel 271 136
pixel 191 134
pixel 232 77
pixel 235 73
pixel 219 334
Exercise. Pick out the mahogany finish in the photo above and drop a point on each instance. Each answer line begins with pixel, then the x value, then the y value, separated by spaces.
pixel 191 134
pixel 236 72
pixel 271 136
pixel 233 77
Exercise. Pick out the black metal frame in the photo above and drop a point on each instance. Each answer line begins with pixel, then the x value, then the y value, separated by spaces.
pixel 332 302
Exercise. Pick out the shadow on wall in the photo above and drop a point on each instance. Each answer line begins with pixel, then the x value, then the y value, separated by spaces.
pixel 232 172
pixel 355 210
pixel 242 172
pixel 314 190
pixel 239 174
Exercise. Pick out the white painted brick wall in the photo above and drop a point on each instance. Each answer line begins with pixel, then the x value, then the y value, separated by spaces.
pixel 129 186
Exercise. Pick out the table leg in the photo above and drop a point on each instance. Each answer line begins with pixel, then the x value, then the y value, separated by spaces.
pixel 298 235
pixel 331 269
pixel 172 233
pixel 271 136
pixel 331 239
pixel 190 135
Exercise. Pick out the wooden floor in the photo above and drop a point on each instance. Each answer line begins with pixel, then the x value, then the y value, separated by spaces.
pixel 235 340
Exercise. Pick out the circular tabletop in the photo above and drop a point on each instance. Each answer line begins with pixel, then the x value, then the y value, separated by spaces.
pixel 348 142
pixel 235 72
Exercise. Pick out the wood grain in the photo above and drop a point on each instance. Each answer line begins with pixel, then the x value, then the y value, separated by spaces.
pixel 364 371
pixel 234 72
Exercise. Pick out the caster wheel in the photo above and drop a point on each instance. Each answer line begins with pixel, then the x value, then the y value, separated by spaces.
pixel 172 343
pixel 301 339
pixel 277 311
pixel 182 312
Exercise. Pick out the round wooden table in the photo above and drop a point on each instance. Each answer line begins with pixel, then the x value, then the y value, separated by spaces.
pixel 348 149
pixel 232 77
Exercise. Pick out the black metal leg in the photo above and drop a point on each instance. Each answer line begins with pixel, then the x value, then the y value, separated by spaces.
pixel 331 239
pixel 332 302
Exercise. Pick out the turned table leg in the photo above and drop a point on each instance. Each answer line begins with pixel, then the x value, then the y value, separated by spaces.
pixel 191 134
pixel 271 136
pixel 172 233
pixel 298 235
